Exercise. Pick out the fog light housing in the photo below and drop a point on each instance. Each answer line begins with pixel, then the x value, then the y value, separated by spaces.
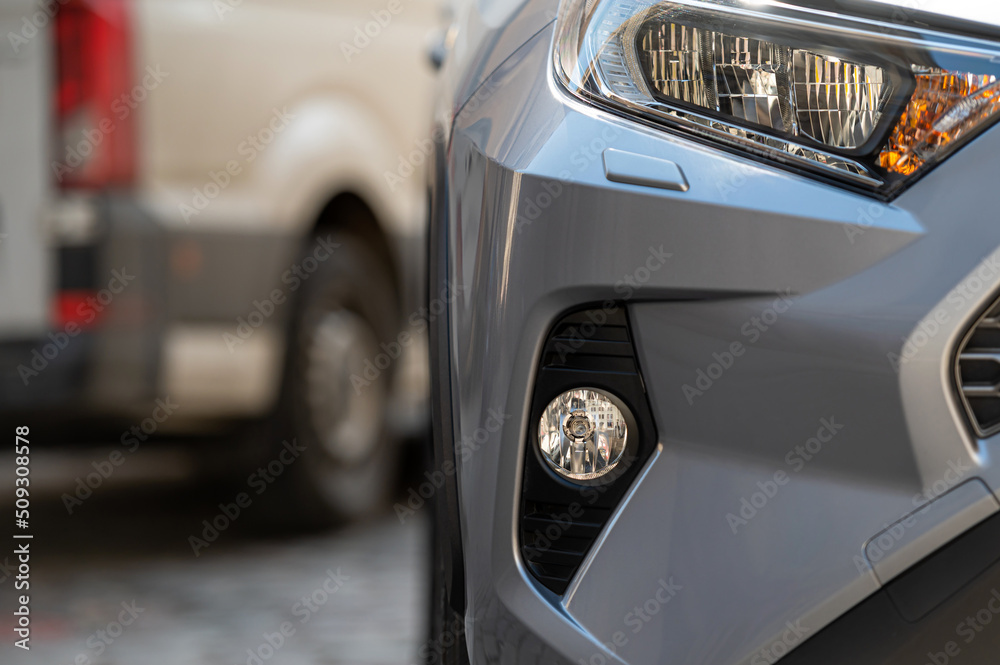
pixel 582 434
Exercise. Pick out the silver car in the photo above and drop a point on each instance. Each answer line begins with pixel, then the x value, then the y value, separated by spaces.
pixel 717 344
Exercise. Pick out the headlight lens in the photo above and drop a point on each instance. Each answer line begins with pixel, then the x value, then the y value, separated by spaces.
pixel 582 434
pixel 871 104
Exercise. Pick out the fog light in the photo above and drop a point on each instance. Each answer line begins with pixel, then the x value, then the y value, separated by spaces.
pixel 582 434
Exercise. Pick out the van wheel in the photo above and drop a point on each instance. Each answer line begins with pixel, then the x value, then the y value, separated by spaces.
pixel 334 411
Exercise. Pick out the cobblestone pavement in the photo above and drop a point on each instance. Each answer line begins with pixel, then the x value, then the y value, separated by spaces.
pixel 353 596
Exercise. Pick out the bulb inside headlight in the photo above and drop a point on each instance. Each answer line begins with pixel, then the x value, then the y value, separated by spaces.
pixel 582 434
pixel 944 107
pixel 868 103
pixel 783 89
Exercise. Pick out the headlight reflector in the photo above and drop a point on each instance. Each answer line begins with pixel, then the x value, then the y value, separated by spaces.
pixel 872 104
pixel 582 434
pixel 792 91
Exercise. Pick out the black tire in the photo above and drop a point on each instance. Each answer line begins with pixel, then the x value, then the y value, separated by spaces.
pixel 348 469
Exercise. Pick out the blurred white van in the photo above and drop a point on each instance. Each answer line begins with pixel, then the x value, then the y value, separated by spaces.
pixel 219 205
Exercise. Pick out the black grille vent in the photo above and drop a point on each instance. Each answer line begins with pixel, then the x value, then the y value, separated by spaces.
pixel 978 373
pixel 593 341
pixel 555 539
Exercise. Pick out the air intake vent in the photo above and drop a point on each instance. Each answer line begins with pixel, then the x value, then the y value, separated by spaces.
pixel 592 341
pixel 556 538
pixel 978 373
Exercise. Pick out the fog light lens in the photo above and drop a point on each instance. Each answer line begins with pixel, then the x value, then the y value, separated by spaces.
pixel 582 434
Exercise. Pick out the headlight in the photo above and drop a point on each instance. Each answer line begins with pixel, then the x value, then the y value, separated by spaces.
pixel 871 104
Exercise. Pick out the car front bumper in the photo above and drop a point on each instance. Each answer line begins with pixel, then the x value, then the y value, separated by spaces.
pixel 771 313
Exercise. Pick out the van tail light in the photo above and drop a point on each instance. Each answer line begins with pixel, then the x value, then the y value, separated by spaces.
pixel 95 139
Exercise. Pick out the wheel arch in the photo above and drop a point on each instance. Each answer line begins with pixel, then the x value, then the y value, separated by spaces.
pixel 349 212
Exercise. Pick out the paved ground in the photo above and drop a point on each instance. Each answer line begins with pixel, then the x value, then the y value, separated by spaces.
pixel 354 596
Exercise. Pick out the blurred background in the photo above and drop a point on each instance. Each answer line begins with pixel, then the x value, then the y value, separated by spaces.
pixel 213 321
